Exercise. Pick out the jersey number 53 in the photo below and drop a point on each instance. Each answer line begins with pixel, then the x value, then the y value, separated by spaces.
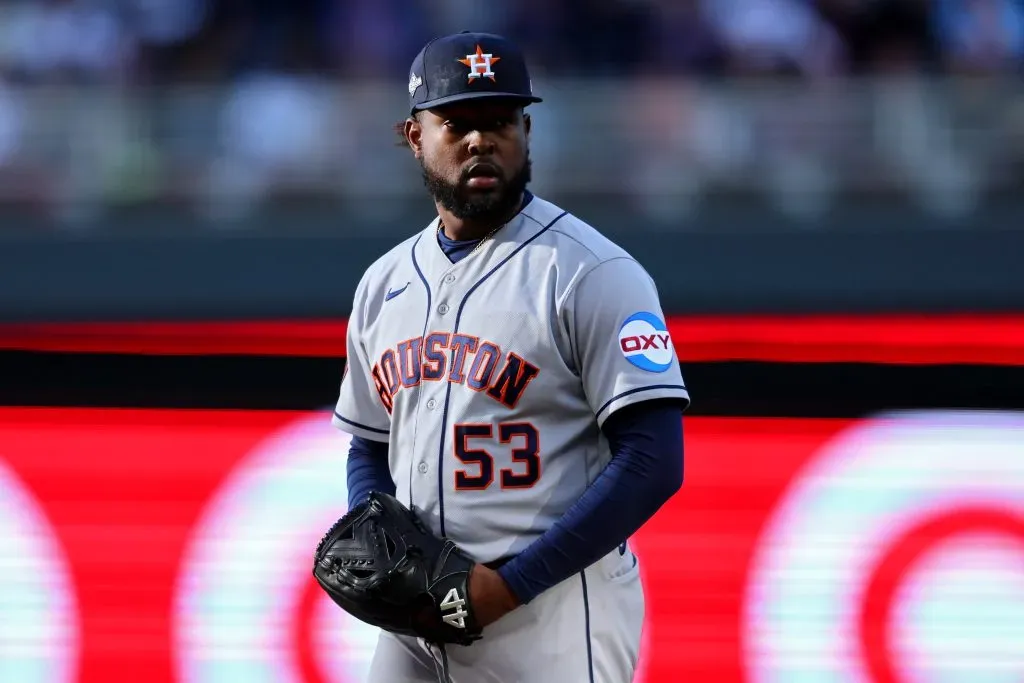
pixel 523 470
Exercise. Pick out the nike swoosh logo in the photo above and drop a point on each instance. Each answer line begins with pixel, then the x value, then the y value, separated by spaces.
pixel 392 294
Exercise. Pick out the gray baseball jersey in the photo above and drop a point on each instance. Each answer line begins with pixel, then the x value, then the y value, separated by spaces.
pixel 490 378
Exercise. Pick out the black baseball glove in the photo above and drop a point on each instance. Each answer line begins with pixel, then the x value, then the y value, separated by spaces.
pixel 383 566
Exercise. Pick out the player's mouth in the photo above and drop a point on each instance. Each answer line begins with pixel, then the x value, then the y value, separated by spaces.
pixel 483 176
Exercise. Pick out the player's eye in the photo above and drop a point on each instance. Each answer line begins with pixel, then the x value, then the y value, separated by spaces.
pixel 456 127
pixel 464 127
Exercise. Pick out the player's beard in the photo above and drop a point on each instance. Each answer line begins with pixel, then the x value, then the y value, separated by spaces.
pixel 467 204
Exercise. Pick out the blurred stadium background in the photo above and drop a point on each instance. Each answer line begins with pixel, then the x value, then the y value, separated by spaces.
pixel 828 192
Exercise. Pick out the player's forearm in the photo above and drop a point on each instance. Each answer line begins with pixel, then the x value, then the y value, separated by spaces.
pixel 367 470
pixel 646 470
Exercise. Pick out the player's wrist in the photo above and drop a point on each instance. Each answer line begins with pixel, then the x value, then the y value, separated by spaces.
pixel 490 596
pixel 510 598
pixel 514 584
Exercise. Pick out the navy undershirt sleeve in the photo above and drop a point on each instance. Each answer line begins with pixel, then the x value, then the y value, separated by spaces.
pixel 646 469
pixel 367 470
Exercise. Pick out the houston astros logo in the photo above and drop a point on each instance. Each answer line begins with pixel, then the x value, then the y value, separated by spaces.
pixel 480 64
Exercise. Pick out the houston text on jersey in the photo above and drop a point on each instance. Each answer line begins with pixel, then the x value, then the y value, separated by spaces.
pixel 471 361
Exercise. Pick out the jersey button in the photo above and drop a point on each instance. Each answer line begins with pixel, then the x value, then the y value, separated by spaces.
pixel 449 278
pixel 431 404
pixel 422 468
pixel 442 309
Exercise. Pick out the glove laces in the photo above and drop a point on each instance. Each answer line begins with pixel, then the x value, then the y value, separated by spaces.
pixel 441 664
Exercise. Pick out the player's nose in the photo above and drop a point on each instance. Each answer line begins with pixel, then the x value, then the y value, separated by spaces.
pixel 479 143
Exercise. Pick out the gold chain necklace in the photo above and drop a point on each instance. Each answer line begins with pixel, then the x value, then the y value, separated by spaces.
pixel 440 227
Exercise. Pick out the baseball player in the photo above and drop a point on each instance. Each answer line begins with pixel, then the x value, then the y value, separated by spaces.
pixel 511 378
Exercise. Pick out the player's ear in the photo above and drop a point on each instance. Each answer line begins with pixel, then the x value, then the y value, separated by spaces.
pixel 414 135
pixel 527 121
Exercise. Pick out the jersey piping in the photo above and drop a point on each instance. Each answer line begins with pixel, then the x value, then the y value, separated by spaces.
pixel 455 329
pixel 426 323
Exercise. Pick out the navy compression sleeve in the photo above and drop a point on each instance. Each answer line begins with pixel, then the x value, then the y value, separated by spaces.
pixel 645 471
pixel 367 470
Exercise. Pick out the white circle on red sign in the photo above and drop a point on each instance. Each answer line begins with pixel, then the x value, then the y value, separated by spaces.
pixel 39 620
pixel 895 557
pixel 247 607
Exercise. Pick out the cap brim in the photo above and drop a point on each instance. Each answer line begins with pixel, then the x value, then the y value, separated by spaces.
pixel 464 97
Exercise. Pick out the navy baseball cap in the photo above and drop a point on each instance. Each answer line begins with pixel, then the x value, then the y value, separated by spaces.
pixel 468 66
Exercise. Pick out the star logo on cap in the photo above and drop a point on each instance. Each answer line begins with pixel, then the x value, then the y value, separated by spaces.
pixel 481 64
pixel 414 82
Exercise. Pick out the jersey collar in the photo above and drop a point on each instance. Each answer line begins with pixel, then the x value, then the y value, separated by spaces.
pixel 434 263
